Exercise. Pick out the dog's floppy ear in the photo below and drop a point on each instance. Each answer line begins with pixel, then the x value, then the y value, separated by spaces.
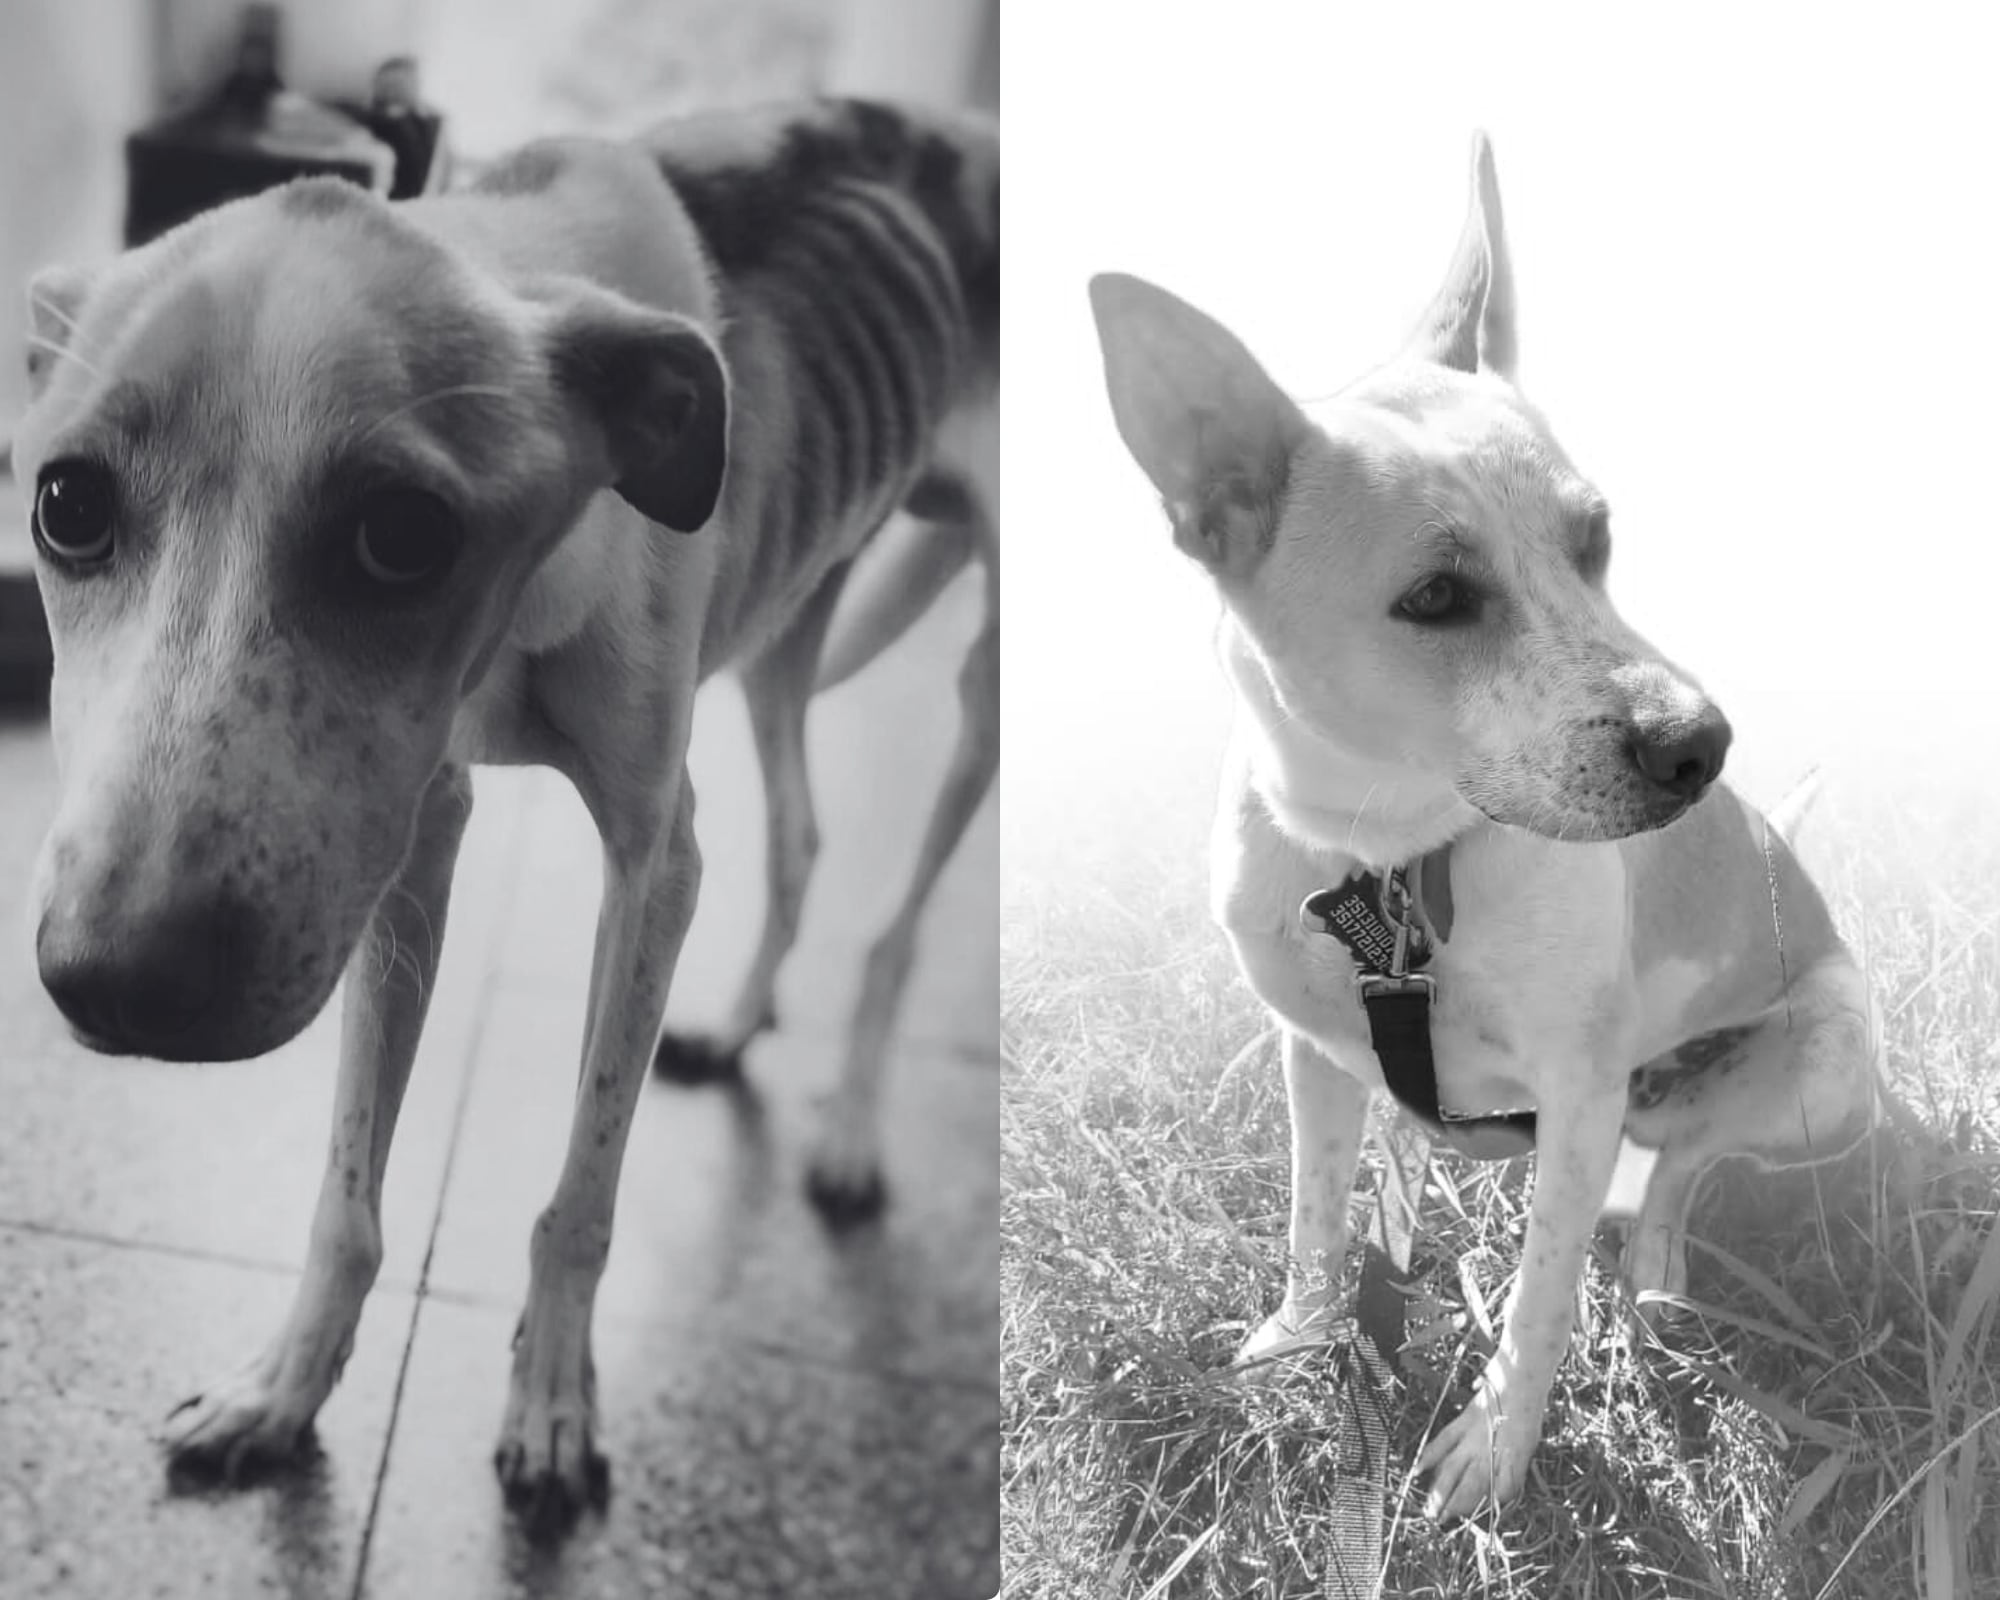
pixel 1203 419
pixel 55 301
pixel 655 387
pixel 1470 324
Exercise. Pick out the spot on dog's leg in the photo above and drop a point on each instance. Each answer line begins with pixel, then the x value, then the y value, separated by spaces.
pixel 1717 1052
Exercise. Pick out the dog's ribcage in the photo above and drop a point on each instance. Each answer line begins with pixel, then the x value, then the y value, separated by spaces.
pixel 859 245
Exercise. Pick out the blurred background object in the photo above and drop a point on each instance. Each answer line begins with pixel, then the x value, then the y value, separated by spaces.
pixel 253 133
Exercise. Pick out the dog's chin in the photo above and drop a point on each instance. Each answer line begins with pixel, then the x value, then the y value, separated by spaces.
pixel 1591 822
pixel 97 1044
pixel 193 1046
pixel 219 1038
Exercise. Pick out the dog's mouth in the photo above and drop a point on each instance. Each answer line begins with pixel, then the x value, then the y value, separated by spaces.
pixel 222 1036
pixel 1588 809
pixel 1567 822
pixel 99 1044
pixel 1605 778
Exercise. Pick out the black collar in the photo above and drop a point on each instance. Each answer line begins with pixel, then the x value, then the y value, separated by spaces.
pixel 1383 923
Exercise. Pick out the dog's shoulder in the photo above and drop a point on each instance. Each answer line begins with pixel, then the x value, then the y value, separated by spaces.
pixel 1723 879
pixel 574 174
pixel 1254 866
pixel 596 209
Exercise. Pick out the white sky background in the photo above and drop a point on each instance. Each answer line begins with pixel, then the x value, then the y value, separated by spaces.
pixel 1759 301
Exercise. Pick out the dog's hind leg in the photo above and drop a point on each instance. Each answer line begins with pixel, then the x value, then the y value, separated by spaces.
pixel 778 684
pixel 845 1175
pixel 1795 1088
pixel 906 567
pixel 263 1411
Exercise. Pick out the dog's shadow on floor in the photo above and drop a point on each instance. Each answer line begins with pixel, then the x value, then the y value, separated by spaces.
pixel 762 1180
pixel 869 1282
pixel 299 1520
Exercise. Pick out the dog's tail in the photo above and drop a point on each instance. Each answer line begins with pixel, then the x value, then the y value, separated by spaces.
pixel 906 568
pixel 1789 814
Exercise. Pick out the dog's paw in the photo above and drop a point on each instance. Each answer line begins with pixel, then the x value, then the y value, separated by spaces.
pixel 1654 1261
pixel 1480 1458
pixel 844 1172
pixel 1287 1332
pixel 233 1428
pixel 697 1058
pixel 549 1466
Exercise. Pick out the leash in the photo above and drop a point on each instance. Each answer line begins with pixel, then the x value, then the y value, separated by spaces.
pixel 1391 936
pixel 1378 918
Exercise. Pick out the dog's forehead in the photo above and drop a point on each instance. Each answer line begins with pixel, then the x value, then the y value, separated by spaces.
pixel 329 280
pixel 1467 450
pixel 293 325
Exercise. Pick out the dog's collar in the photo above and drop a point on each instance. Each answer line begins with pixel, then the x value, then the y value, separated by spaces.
pixel 1391 925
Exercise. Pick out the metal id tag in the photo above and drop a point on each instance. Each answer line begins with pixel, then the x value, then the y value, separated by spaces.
pixel 1347 911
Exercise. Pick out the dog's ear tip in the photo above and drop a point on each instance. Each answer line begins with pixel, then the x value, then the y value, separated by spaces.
pixel 1485 171
pixel 1115 295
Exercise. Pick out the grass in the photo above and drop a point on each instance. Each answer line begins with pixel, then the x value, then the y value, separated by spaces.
pixel 1822 1417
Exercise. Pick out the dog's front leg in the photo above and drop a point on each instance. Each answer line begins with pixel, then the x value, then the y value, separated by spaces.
pixel 1482 1456
pixel 547 1457
pixel 1329 1114
pixel 264 1410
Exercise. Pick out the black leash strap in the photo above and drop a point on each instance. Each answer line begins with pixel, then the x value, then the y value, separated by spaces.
pixel 1373 918
pixel 1399 1025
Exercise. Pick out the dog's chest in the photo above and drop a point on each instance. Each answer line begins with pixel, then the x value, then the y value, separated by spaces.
pixel 1529 981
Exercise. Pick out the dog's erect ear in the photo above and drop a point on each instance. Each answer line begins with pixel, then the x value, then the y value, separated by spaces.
pixel 655 387
pixel 1471 322
pixel 1203 419
pixel 55 301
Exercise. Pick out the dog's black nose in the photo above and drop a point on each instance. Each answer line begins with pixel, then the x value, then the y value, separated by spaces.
pixel 148 990
pixel 1683 757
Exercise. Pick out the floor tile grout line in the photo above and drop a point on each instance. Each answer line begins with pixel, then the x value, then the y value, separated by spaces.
pixel 157 1247
pixel 481 1300
pixel 956 1053
pixel 477 1038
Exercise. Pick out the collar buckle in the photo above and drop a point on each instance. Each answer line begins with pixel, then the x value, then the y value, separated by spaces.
pixel 1372 984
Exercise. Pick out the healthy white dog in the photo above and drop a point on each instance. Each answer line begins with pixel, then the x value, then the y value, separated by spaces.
pixel 1471 844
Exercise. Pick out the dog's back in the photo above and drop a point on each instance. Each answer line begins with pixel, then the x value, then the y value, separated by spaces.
pixel 856 248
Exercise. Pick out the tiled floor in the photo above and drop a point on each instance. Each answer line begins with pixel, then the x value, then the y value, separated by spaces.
pixel 789 1412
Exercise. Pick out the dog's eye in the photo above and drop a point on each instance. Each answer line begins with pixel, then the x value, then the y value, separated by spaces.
pixel 1439 598
pixel 74 516
pixel 404 537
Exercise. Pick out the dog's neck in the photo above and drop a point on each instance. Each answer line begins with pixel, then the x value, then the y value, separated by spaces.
pixel 1332 799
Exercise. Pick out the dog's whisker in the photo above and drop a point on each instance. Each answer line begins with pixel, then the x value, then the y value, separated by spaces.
pixel 423 917
pixel 48 307
pixel 1354 827
pixel 385 956
pixel 1777 918
pixel 64 352
pixel 491 391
